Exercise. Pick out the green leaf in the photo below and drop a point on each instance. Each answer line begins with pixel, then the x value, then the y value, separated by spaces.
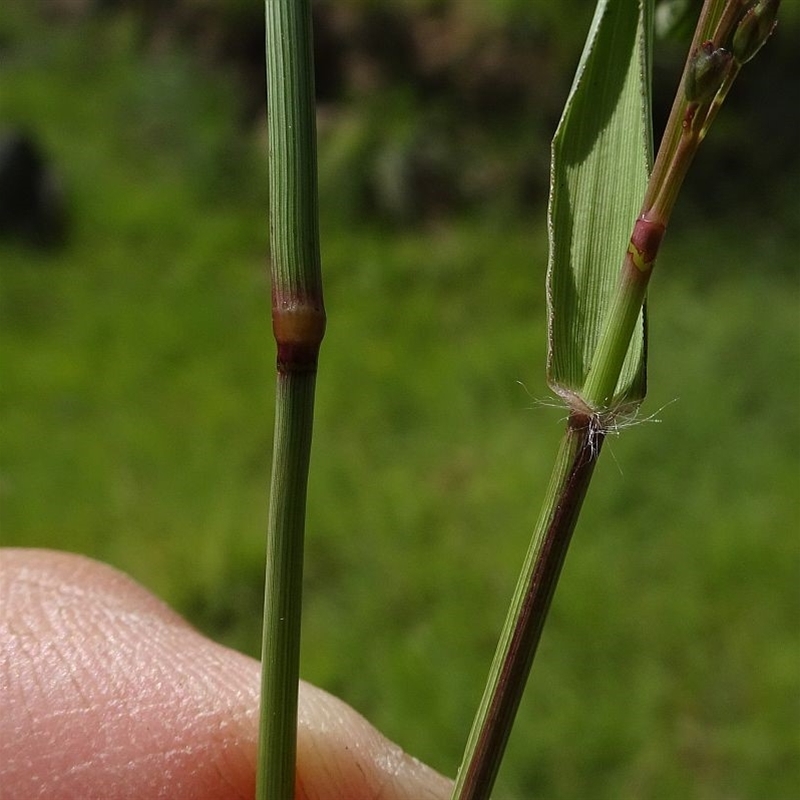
pixel 601 158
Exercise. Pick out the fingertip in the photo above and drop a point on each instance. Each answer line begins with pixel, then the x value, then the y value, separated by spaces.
pixel 341 755
pixel 109 694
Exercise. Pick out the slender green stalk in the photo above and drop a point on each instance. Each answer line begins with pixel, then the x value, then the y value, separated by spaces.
pixel 298 320
pixel 686 128
pixel 613 345
pixel 709 15
pixel 572 472
pixel 595 407
pixel 281 637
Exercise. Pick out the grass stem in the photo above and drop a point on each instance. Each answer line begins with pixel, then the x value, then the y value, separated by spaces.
pixel 298 321
pixel 577 455
pixel 283 592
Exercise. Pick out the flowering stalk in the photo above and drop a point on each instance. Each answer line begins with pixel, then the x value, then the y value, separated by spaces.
pixel 728 34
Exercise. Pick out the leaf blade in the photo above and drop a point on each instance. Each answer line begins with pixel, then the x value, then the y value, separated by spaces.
pixel 601 158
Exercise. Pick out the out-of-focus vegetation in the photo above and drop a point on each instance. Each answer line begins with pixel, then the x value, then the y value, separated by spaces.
pixel 136 380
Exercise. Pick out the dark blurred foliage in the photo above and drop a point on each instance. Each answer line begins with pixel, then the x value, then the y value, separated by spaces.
pixel 433 107
pixel 32 202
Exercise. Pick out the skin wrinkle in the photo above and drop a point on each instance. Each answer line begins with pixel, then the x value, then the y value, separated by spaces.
pixel 44 686
pixel 71 658
pixel 9 664
pixel 104 702
pixel 222 775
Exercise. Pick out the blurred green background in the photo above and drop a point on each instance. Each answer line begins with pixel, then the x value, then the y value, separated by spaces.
pixel 137 376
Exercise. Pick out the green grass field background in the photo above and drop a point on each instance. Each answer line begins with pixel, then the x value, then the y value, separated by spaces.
pixel 136 394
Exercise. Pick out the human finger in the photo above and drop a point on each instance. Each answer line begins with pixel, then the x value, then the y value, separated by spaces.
pixel 109 694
